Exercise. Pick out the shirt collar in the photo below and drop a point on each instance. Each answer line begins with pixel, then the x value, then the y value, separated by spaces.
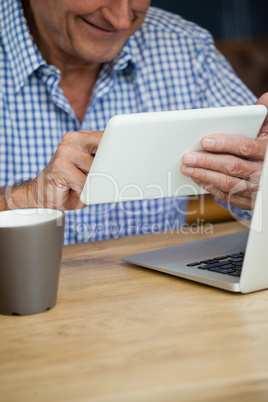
pixel 22 53
pixel 126 56
pixel 131 52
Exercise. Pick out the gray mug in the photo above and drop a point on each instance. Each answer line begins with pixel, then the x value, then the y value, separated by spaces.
pixel 30 256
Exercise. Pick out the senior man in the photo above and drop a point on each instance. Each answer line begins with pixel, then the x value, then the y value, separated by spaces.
pixel 66 67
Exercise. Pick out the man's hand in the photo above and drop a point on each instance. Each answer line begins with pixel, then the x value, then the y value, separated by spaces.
pixel 60 184
pixel 232 168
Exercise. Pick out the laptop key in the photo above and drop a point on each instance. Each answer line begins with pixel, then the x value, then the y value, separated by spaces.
pixel 235 255
pixel 228 266
pixel 207 261
pixel 237 264
pixel 235 273
pixel 234 260
pixel 222 271
pixel 238 271
pixel 193 264
pixel 223 257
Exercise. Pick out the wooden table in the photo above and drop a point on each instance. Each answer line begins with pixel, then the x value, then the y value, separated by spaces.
pixel 126 334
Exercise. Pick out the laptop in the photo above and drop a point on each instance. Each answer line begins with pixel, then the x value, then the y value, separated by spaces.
pixel 140 154
pixel 236 262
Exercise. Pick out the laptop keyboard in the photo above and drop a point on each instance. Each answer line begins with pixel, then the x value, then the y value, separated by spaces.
pixel 230 264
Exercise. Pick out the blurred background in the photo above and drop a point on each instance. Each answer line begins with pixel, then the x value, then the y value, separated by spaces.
pixel 223 18
pixel 240 30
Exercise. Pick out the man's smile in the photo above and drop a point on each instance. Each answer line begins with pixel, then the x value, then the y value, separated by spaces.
pixel 104 29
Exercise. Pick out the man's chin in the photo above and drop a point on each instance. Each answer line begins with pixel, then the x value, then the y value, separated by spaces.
pixel 96 57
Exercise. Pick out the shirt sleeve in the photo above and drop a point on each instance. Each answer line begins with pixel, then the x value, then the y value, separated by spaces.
pixel 217 84
pixel 237 213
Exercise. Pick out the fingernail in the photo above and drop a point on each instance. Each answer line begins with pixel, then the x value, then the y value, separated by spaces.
pixel 187 170
pixel 189 159
pixel 208 143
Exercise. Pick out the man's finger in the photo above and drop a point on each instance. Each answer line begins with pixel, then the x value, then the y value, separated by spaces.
pixel 236 199
pixel 225 163
pixel 224 182
pixel 253 149
pixel 87 141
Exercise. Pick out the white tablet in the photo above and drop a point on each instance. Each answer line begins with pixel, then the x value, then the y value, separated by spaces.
pixel 140 154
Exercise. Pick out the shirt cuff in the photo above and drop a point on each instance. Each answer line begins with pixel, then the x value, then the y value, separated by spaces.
pixel 237 213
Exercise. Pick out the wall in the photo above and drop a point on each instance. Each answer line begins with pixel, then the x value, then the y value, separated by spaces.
pixel 223 18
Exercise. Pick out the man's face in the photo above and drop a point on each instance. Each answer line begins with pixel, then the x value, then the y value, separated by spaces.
pixel 92 31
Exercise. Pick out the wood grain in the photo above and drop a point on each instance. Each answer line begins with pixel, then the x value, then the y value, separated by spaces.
pixel 125 334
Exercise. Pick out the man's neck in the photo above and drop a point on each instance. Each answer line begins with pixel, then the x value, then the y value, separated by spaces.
pixel 77 80
pixel 77 85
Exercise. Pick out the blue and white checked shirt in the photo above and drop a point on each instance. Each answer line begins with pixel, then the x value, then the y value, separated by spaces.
pixel 168 64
